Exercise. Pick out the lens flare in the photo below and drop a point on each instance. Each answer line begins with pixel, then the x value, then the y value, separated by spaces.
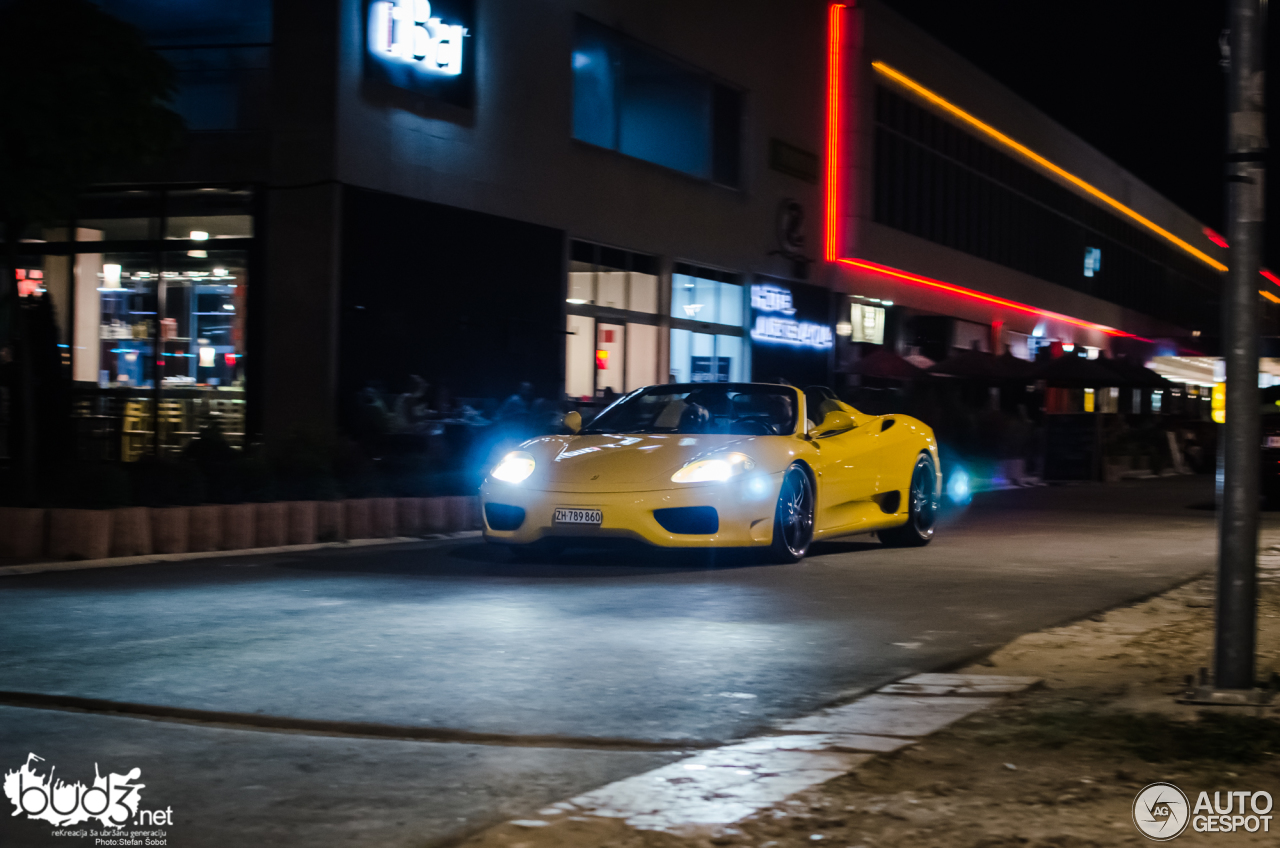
pixel 958 487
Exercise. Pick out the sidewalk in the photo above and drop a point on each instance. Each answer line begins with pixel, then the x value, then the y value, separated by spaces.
pixel 1055 767
pixel 36 567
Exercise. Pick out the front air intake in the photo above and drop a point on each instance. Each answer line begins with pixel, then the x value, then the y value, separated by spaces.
pixel 689 520
pixel 503 516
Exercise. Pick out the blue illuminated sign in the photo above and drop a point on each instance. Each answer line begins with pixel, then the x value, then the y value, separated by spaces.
pixel 775 324
pixel 422 46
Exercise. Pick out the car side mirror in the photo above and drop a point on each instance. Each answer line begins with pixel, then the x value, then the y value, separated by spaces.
pixel 573 421
pixel 835 422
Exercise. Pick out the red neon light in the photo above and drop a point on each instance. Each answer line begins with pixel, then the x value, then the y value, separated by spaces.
pixel 835 24
pixel 229 358
pixel 1270 276
pixel 1215 237
pixel 835 132
pixel 886 271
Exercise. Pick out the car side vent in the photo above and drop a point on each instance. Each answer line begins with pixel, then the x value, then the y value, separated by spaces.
pixel 887 423
pixel 689 520
pixel 503 516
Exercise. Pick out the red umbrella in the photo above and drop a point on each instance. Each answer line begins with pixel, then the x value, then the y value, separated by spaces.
pixel 884 364
pixel 972 364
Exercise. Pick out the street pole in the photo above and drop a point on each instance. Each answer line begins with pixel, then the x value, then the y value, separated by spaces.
pixel 1235 636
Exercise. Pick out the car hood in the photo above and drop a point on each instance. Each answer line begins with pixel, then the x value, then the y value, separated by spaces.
pixel 598 461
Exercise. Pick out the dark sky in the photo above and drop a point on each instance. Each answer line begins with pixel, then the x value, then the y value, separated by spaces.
pixel 1137 79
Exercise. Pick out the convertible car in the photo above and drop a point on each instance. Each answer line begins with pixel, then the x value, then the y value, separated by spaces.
pixel 711 465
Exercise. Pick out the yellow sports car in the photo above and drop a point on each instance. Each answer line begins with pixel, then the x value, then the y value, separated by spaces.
pixel 712 465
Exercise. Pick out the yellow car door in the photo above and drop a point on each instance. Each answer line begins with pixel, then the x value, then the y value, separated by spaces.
pixel 848 475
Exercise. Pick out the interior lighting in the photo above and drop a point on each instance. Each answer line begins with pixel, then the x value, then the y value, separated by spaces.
pixel 1028 153
pixel 199 235
pixel 916 279
pixel 219 272
pixel 111 276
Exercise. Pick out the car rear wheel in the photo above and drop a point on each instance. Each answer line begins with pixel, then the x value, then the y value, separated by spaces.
pixel 922 508
pixel 793 518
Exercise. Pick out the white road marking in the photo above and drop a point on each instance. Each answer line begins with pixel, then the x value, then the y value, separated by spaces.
pixel 725 785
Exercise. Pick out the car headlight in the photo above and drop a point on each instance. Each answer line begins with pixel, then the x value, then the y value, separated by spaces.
pixel 513 468
pixel 715 468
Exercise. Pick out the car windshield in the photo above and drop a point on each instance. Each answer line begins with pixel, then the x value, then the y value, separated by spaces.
pixel 737 409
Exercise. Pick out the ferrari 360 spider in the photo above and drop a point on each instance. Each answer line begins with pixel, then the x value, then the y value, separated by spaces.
pixel 712 465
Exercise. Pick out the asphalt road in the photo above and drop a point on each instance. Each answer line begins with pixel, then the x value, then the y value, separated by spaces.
pixel 595 645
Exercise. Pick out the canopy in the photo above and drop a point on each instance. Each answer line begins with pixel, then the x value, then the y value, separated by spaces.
pixel 1076 372
pixel 887 365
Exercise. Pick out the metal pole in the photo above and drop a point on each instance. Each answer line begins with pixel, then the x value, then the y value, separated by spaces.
pixel 1235 637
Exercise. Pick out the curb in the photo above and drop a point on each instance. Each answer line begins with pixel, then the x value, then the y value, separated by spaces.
pixel 155 559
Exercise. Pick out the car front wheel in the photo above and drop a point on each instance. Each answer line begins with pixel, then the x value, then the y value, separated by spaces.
pixel 793 518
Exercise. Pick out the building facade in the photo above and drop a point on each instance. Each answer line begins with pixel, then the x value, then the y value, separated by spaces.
pixel 591 196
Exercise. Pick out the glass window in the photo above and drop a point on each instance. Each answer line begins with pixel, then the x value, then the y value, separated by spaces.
pixel 119 216
pixel 614 278
pixel 631 98
pixel 706 358
pixel 700 299
pixel 739 409
pixel 208 213
pixel 595 70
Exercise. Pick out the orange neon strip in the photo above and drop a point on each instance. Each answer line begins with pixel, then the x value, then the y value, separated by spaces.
pixel 1269 296
pixel 835 26
pixel 886 271
pixel 994 133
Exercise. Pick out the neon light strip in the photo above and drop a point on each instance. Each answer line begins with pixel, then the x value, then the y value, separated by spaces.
pixel 885 270
pixel 1270 276
pixel 1269 296
pixel 835 26
pixel 992 132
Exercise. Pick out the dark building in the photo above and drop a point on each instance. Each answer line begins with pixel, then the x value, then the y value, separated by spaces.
pixel 590 195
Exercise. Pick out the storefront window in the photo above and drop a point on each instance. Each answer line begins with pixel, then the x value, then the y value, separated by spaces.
pixel 699 299
pixel 155 288
pixel 706 358
pixel 709 347
pixel 612 298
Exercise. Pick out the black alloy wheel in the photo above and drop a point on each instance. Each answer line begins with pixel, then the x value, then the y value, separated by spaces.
pixel 922 508
pixel 793 519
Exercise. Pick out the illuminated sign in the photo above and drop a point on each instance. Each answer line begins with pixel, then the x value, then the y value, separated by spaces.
pixel 421 46
pixel 866 323
pixel 406 31
pixel 1092 261
pixel 774 323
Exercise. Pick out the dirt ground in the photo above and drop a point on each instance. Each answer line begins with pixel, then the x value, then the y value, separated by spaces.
pixel 1056 767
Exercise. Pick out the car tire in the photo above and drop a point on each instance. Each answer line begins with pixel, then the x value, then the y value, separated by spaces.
pixel 793 517
pixel 922 508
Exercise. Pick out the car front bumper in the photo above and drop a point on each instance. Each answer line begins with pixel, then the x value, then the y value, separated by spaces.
pixel 744 506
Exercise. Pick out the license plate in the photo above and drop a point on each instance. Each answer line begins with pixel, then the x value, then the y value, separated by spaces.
pixel 1273 441
pixel 578 516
